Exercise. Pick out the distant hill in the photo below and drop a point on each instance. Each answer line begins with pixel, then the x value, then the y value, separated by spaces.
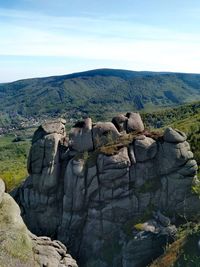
pixel 98 93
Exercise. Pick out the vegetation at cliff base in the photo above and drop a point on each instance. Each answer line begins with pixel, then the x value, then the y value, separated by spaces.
pixel 184 252
pixel 13 160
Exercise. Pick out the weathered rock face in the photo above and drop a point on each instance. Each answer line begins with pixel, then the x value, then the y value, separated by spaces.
pixel 19 247
pixel 129 122
pixel 81 137
pixel 91 200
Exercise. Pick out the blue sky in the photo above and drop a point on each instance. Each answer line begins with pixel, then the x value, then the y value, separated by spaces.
pixel 45 37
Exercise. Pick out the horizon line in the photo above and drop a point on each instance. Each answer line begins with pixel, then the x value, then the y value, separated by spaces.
pixel 99 69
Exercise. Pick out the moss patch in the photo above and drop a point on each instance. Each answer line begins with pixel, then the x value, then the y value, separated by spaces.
pixel 16 245
pixel 139 226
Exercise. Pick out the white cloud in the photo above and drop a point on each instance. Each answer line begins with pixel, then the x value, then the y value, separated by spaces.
pixel 119 43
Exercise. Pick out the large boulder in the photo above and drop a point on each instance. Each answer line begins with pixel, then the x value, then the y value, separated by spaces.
pixel 120 122
pixel 103 133
pixel 21 248
pixel 131 122
pixel 174 136
pixel 80 136
pixel 50 127
pixel 44 156
pixel 134 123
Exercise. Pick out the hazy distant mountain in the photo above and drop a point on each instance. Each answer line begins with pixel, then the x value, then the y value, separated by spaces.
pixel 98 92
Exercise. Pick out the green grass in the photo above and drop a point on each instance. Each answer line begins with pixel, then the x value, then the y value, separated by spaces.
pixel 13 160
pixel 166 116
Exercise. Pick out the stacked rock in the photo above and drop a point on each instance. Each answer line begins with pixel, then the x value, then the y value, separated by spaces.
pixel 90 200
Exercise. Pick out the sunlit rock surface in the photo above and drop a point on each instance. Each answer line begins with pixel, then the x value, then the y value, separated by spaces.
pixel 19 247
pixel 92 200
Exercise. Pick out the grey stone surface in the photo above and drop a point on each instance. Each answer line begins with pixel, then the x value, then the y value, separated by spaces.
pixel 19 247
pixel 145 149
pixel 174 136
pixel 120 122
pixel 134 122
pixel 90 200
pixel 103 133
pixel 81 137
pixel 51 253
pixel 56 126
pixel 148 242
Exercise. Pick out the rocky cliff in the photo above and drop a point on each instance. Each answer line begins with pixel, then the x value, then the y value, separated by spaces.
pixel 19 247
pixel 112 192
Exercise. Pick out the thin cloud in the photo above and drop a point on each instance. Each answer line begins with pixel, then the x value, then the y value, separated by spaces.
pixel 102 42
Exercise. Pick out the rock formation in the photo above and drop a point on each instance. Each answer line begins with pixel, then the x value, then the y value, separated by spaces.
pixel 19 247
pixel 93 199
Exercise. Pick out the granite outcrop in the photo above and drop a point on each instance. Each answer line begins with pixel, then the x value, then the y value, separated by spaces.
pixel 91 189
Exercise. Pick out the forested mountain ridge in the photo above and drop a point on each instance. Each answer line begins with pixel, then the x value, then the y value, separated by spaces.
pixel 98 93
